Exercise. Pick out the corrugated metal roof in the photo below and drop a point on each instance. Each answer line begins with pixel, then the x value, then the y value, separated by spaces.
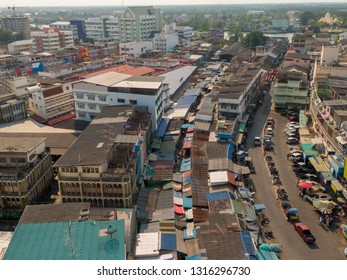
pixel 162 127
pixel 147 244
pixel 224 195
pixel 51 241
pixel 168 242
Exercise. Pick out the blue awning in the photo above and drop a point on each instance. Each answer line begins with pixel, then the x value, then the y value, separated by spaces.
pixel 224 195
pixel 247 242
pixel 187 202
pixel 162 127
pixel 259 207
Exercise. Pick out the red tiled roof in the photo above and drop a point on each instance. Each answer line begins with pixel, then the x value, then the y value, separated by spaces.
pixel 38 118
pixel 61 119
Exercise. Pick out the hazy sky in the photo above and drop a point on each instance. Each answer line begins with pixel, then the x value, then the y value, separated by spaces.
pixel 44 3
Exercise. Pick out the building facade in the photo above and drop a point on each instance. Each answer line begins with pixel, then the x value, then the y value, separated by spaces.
pixel 135 49
pixel 20 46
pixel 52 39
pixel 98 28
pixel 17 24
pixel 51 102
pixel 26 171
pixel 66 25
pixel 165 42
pixel 115 89
pixel 104 165
pixel 140 23
pixel 12 109
pixel 280 23
pixel 290 91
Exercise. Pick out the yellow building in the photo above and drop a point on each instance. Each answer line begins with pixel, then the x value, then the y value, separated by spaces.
pixel 25 171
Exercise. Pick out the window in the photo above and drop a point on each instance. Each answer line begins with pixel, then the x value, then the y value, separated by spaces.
pixel 82 115
pixel 102 98
pixel 91 106
pixel 223 106
pixel 91 97
pixel 79 95
pixel 81 105
pixel 119 100
pixel 133 102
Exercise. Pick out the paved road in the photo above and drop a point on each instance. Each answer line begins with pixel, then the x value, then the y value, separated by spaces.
pixel 329 245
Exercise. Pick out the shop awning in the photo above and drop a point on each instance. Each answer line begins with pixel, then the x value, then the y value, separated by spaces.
pixel 336 186
pixel 318 165
pixel 242 127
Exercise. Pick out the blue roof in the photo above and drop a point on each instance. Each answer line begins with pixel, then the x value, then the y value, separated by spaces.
pixel 186 101
pixel 162 127
pixel 231 150
pixel 224 195
pixel 187 202
pixel 168 241
pixel 52 241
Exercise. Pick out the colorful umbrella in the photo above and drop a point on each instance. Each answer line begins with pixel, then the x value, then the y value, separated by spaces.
pixel 305 185
pixel 325 211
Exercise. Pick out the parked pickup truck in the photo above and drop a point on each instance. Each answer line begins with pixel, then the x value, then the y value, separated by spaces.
pixel 304 232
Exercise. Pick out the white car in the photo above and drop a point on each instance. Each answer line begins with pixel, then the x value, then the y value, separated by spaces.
pixel 287 132
pixel 295 151
pixel 269 131
pixel 292 123
pixel 292 140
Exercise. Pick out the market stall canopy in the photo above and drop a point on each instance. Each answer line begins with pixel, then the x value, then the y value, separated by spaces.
pixel 322 204
pixel 227 164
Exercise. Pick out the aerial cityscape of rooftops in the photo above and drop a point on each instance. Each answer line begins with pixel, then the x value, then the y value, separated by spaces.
pixel 173 133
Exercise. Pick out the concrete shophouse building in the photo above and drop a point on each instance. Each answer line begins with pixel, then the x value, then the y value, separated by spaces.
pixel 25 171
pixel 104 165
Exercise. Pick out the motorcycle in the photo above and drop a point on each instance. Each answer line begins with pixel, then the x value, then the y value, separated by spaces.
pixel 268 234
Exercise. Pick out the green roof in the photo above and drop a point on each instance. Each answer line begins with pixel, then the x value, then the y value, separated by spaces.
pixel 302 119
pixel 308 150
pixel 52 241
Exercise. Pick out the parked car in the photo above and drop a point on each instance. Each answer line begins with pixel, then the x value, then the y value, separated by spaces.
pixel 295 157
pixel 298 165
pixel 269 131
pixel 257 141
pixel 293 118
pixel 292 135
pixel 304 232
pixel 290 131
pixel 292 140
pixel 295 151
pixel 292 123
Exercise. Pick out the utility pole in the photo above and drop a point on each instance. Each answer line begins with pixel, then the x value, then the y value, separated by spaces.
pixel 260 226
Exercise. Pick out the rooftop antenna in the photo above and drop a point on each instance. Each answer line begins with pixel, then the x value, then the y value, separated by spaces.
pixel 110 231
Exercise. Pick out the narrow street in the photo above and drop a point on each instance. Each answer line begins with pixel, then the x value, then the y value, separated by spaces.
pixel 329 245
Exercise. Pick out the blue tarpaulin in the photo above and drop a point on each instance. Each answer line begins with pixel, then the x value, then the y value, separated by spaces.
pixel 187 125
pixel 224 135
pixel 162 127
pixel 266 255
pixel 168 241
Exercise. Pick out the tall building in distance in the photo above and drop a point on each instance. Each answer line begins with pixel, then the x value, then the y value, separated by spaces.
pixel 140 23
pixel 16 23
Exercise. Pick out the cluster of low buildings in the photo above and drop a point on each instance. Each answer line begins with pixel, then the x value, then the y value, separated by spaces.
pixel 163 147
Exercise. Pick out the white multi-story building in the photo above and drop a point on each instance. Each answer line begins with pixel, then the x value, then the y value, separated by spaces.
pixel 66 25
pixel 184 31
pixel 20 46
pixel 140 23
pixel 102 27
pixel 52 39
pixel 165 41
pixel 51 102
pixel 135 49
pixel 115 89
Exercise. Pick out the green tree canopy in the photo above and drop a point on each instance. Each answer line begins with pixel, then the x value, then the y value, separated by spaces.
pixel 306 17
pixel 253 39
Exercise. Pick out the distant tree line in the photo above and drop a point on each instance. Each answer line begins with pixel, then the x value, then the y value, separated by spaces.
pixel 7 36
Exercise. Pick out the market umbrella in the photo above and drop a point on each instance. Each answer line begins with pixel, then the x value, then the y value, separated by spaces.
pixel 322 204
pixel 325 211
pixel 306 185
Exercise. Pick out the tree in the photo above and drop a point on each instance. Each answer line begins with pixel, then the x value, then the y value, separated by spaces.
pixel 253 39
pixel 306 17
pixel 6 36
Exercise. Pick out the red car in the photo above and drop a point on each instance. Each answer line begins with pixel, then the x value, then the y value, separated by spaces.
pixel 304 232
